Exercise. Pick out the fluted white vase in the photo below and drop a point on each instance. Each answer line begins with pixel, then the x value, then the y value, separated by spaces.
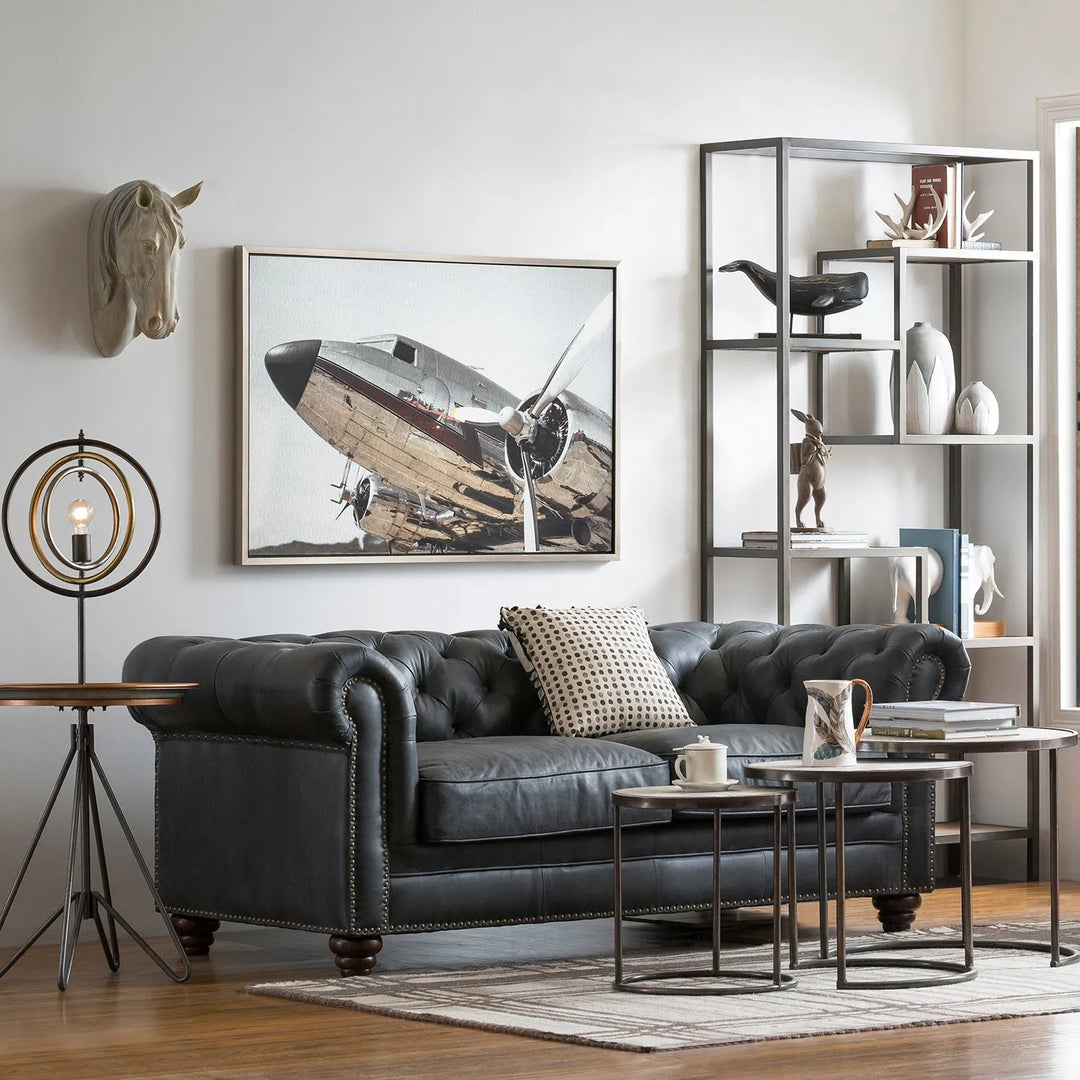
pixel 931 381
pixel 977 410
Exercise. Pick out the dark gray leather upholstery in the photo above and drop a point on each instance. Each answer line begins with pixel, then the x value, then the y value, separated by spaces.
pixel 512 786
pixel 354 783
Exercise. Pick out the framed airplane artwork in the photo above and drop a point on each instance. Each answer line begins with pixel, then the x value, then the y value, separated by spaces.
pixel 407 407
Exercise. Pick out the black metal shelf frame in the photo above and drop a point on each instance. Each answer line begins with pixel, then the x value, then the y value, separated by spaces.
pixel 783 344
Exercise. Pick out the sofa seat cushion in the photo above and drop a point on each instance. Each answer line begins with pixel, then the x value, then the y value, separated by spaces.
pixel 749 743
pixel 527 785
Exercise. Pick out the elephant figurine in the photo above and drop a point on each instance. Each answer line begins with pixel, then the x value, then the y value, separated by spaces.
pixel 902 569
pixel 981 578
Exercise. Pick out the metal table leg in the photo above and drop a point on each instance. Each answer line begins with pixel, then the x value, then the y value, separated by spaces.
pixel 1060 955
pixel 823 877
pixel 793 885
pixel 747 982
pixel 618 895
pixel 84 902
pixel 953 971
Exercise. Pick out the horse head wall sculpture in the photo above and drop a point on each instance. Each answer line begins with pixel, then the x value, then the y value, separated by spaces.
pixel 136 234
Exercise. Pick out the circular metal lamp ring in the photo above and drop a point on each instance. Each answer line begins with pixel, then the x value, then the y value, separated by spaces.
pixel 82 444
pixel 43 509
pixel 46 524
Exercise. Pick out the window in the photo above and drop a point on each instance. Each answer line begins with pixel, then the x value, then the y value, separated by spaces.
pixel 396 347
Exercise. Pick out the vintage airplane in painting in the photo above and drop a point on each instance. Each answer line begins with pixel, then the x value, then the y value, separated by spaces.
pixel 441 459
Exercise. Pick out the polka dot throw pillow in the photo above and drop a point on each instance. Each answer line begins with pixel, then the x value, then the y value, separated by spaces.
pixel 595 669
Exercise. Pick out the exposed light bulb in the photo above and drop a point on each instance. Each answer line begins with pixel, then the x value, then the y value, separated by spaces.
pixel 80 513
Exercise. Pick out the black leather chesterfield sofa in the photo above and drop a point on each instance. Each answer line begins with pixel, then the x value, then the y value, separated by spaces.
pixel 359 784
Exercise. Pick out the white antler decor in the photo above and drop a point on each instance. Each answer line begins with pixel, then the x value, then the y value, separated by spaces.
pixel 969 227
pixel 905 228
pixel 897 230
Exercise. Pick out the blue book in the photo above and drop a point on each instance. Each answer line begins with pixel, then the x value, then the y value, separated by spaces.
pixel 945 603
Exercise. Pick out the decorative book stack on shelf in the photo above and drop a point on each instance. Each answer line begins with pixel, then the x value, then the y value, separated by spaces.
pixel 943 719
pixel 807 538
pixel 815 354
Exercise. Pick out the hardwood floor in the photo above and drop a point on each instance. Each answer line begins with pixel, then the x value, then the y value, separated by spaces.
pixel 136 1024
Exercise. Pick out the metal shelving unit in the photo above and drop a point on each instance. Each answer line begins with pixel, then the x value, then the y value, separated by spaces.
pixel 954 264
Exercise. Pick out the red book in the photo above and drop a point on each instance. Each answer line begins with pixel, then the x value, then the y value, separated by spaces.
pixel 926 179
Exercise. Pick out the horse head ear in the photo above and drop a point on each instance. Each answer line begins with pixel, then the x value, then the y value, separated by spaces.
pixel 144 196
pixel 188 195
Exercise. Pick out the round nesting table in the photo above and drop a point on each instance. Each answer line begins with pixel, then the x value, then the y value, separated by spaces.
pixel 733 798
pixel 888 771
pixel 82 901
pixel 1031 740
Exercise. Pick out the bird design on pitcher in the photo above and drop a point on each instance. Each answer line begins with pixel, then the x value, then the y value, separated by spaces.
pixel 830 731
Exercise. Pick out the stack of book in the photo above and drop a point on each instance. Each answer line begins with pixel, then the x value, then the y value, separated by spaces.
pixel 943 719
pixel 807 538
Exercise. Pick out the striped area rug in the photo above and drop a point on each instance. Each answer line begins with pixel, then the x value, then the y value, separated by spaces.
pixel 573 1001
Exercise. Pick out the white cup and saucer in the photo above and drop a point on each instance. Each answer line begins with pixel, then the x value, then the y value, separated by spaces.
pixel 702 766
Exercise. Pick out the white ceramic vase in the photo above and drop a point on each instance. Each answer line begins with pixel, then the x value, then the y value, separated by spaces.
pixel 931 381
pixel 977 410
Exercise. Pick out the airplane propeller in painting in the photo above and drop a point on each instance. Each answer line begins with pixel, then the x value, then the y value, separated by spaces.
pixel 527 424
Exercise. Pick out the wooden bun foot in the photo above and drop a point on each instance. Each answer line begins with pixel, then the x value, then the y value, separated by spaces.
pixel 196 934
pixel 897 913
pixel 355 955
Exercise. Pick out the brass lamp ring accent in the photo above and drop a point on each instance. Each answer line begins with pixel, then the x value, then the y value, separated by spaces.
pixel 41 510
pixel 122 466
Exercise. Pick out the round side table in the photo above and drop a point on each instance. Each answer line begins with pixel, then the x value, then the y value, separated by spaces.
pixel 81 900
pixel 888 771
pixel 1031 740
pixel 733 798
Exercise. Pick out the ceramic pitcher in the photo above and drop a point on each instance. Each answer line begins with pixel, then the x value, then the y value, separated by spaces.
pixel 831 733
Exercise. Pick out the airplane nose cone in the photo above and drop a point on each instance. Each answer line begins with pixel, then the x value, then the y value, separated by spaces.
pixel 289 367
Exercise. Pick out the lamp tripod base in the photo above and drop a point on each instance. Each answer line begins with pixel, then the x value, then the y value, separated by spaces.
pixel 85 903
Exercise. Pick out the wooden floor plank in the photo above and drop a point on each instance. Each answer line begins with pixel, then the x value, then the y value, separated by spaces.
pixel 136 1024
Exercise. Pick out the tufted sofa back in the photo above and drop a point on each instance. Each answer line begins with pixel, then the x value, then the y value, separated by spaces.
pixel 753 672
pixel 467 685
pixel 470 684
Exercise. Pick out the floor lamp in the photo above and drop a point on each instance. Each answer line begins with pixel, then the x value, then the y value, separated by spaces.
pixel 109 473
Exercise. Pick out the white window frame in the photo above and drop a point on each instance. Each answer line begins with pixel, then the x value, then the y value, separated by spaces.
pixel 1058 116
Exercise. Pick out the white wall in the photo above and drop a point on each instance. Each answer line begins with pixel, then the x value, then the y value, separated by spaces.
pixel 495 127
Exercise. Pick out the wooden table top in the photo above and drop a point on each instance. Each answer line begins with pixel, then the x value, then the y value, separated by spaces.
pixel 93 695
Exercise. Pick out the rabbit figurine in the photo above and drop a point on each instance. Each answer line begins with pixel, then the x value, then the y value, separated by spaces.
pixel 813 453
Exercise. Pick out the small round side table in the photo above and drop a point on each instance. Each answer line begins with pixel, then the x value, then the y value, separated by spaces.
pixel 733 798
pixel 888 771
pixel 1031 740
pixel 81 900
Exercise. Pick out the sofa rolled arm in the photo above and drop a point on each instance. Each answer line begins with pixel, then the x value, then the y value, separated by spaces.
pixel 284 688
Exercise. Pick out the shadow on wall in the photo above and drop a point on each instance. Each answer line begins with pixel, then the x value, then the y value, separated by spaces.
pixel 43 267
pixel 211 321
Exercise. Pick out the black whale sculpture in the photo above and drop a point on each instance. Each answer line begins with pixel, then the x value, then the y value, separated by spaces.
pixel 817 294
